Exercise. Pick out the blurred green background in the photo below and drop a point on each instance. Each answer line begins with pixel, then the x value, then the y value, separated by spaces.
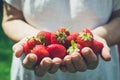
pixel 5 52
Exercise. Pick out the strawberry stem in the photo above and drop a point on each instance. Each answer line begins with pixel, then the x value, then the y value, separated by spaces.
pixel 73 48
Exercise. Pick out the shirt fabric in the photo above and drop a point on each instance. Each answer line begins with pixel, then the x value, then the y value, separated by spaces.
pixel 74 14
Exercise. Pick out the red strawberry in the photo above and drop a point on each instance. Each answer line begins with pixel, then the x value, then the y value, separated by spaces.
pixel 31 42
pixel 56 50
pixel 86 30
pixel 65 30
pixel 85 38
pixel 79 47
pixel 58 38
pixel 44 37
pixel 68 40
pixel 97 46
pixel 26 48
pixel 75 34
pixel 40 51
pixel 72 36
pixel 74 48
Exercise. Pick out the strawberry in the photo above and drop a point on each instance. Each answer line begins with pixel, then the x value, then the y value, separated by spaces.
pixel 86 30
pixel 85 38
pixel 58 38
pixel 75 34
pixel 97 46
pixel 26 48
pixel 65 30
pixel 72 36
pixel 68 40
pixel 56 50
pixel 31 42
pixel 40 51
pixel 74 48
pixel 44 37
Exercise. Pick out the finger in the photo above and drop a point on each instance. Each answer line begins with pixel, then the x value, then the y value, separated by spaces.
pixel 79 62
pixel 69 65
pixel 106 53
pixel 44 66
pixel 90 58
pixel 29 61
pixel 55 66
pixel 18 48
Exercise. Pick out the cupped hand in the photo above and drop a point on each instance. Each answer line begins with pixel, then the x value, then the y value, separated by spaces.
pixel 45 65
pixel 87 59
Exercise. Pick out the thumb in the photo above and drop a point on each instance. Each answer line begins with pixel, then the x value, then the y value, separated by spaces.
pixel 18 50
pixel 106 53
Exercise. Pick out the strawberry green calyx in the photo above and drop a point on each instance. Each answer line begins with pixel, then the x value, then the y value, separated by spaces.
pixel 65 30
pixel 33 38
pixel 61 37
pixel 44 37
pixel 86 36
pixel 41 38
pixel 73 48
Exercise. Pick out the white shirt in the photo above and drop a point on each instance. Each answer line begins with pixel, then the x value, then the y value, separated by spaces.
pixel 75 14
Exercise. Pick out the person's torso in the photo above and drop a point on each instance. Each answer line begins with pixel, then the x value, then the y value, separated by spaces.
pixel 75 14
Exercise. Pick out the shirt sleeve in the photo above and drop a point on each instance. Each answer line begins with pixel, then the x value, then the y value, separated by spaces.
pixel 116 5
pixel 14 3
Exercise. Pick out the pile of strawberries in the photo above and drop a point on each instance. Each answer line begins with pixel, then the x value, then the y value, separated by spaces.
pixel 60 43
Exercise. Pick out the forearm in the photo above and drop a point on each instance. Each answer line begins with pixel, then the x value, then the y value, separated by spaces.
pixel 18 29
pixel 14 24
pixel 110 31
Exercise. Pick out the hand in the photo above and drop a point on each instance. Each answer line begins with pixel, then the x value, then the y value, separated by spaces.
pixel 87 59
pixel 46 65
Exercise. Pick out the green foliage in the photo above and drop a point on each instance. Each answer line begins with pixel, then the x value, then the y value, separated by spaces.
pixel 5 52
pixel 5 56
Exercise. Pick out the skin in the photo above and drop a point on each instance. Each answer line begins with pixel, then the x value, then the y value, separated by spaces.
pixel 72 63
